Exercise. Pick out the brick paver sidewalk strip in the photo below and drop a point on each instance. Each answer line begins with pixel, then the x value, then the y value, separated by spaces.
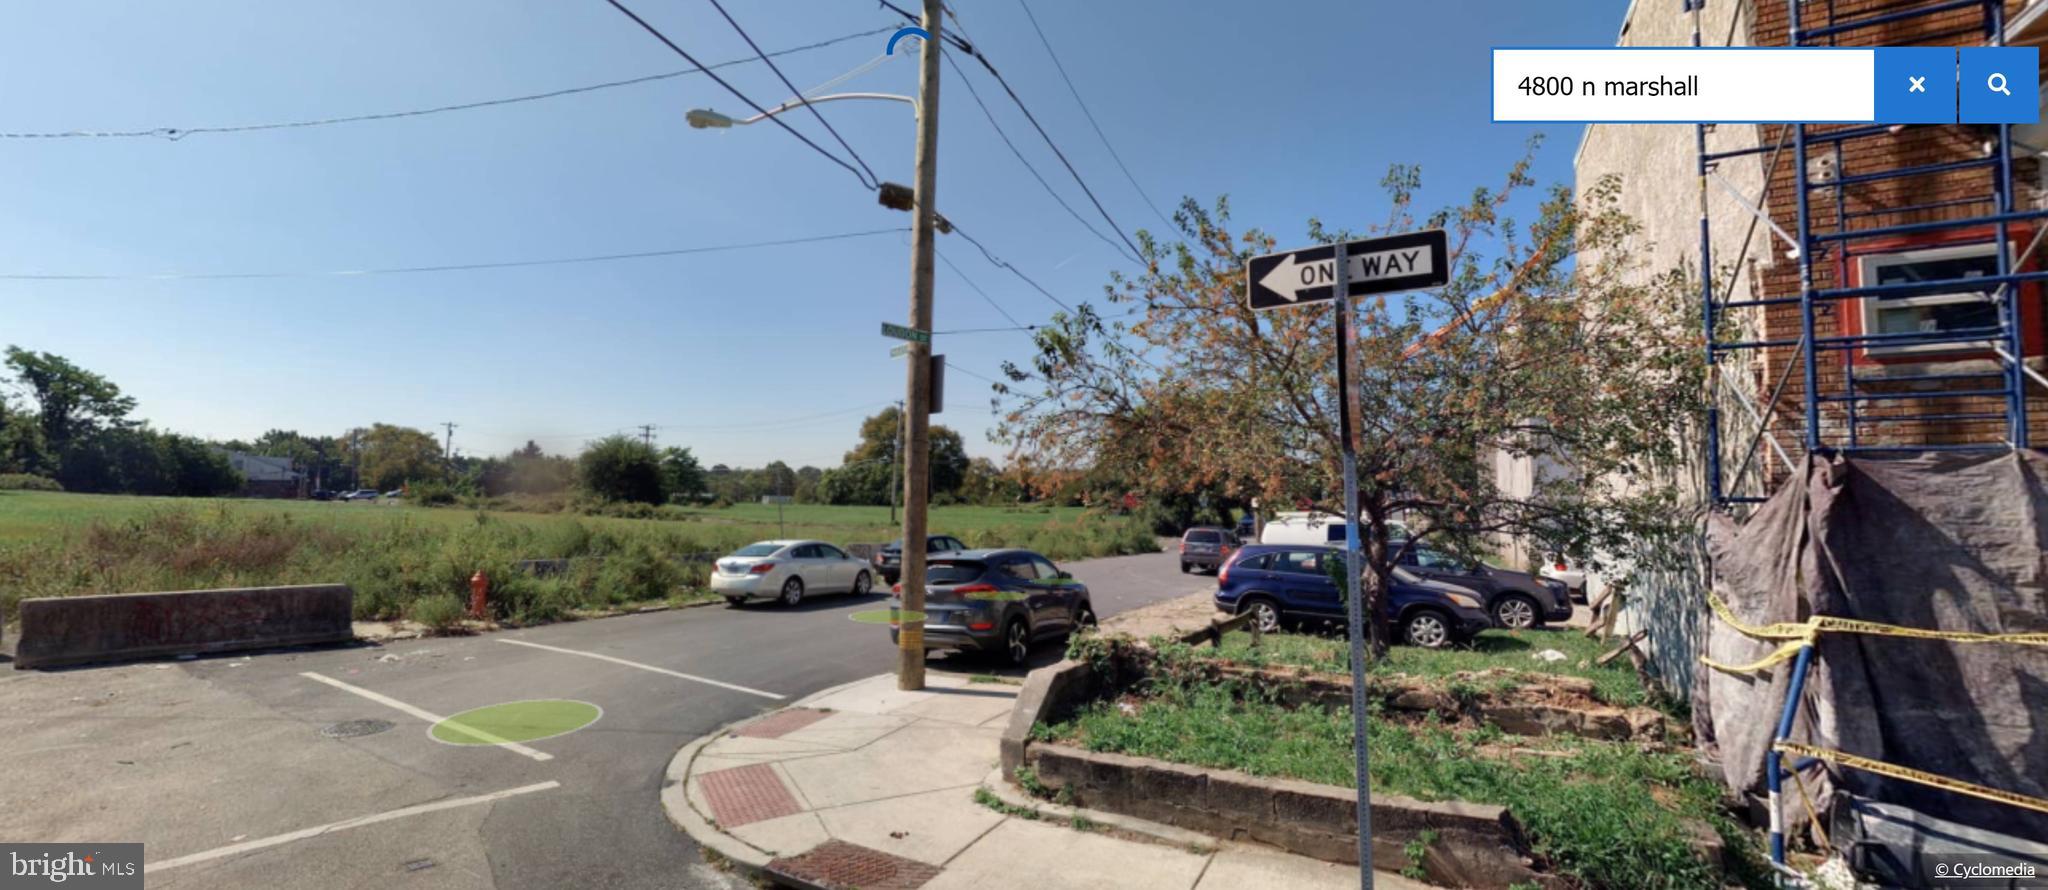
pixel 839 865
pixel 747 794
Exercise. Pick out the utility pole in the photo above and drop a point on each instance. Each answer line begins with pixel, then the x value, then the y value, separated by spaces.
pixel 448 455
pixel 916 478
pixel 647 434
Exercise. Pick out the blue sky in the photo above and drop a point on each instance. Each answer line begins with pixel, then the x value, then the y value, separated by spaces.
pixel 1293 110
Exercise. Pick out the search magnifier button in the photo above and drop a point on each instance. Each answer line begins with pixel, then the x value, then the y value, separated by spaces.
pixel 1996 83
pixel 1998 86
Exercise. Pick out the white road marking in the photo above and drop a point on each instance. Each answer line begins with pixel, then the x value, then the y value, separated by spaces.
pixel 344 825
pixel 646 667
pixel 430 716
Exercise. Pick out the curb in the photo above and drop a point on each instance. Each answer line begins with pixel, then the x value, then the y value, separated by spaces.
pixel 1140 829
pixel 675 795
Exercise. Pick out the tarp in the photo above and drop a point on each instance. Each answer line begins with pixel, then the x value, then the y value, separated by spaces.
pixel 1933 541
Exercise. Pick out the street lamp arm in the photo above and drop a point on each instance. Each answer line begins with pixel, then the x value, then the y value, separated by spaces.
pixel 834 97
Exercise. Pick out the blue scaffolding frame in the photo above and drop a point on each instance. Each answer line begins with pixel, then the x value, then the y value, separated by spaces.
pixel 1850 418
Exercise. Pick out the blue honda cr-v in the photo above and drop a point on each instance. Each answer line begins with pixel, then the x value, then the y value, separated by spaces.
pixel 1283 583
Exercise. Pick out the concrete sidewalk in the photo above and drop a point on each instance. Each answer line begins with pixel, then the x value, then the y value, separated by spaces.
pixel 867 786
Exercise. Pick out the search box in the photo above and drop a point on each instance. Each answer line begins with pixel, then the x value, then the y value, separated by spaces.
pixel 1685 85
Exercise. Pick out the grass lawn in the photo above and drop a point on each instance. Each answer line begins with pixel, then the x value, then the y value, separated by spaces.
pixel 1615 683
pixel 416 561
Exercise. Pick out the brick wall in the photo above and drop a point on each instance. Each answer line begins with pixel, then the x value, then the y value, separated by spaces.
pixel 1866 206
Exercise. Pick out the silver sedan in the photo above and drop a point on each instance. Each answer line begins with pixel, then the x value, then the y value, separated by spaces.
pixel 787 570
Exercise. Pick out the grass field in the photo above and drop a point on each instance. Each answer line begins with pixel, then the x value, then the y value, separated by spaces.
pixel 415 561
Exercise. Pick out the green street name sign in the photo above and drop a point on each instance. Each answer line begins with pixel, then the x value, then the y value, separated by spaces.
pixel 902 333
pixel 900 351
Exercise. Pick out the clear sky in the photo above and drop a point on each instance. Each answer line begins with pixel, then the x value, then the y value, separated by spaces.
pixel 1293 110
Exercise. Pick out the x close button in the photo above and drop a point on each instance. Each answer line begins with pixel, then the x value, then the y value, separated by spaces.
pixel 1916 85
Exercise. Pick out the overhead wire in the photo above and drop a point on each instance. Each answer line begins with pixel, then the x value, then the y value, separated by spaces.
pixel 452 267
pixel 1019 155
pixel 177 133
pixel 872 181
pixel 778 121
pixel 1004 264
pixel 1090 115
pixel 998 307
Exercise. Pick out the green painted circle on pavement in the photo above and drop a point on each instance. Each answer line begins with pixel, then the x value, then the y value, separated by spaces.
pixel 519 721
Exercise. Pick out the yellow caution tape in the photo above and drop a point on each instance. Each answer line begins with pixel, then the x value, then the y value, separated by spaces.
pixel 1804 633
pixel 1842 758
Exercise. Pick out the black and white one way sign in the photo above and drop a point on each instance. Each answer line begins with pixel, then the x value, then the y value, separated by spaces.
pixel 1409 261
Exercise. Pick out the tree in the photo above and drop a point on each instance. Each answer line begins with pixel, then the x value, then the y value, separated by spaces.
pixel 1529 351
pixel 681 474
pixel 855 483
pixel 392 456
pixel 621 468
pixel 22 449
pixel 139 460
pixel 70 401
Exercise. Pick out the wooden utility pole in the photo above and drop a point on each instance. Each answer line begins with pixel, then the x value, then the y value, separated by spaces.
pixel 916 476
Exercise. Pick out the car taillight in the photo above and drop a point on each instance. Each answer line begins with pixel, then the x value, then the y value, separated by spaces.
pixel 896 590
pixel 761 568
pixel 1560 567
pixel 1183 546
pixel 1223 574
pixel 977 588
pixel 982 625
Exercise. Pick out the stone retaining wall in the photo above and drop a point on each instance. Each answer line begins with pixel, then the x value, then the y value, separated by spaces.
pixel 71 630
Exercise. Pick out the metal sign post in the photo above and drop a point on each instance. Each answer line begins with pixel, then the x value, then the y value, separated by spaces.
pixel 1337 272
pixel 1353 593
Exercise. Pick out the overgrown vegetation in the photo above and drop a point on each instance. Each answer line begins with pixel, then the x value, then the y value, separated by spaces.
pixel 1614 683
pixel 54 544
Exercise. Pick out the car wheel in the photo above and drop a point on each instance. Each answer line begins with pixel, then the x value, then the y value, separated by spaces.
pixel 1428 629
pixel 792 591
pixel 734 601
pixel 1016 643
pixel 1516 613
pixel 862 584
pixel 1265 614
pixel 1185 568
pixel 1084 619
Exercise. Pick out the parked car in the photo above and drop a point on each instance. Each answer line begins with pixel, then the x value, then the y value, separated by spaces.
pixel 1247 526
pixel 889 560
pixel 1516 600
pixel 1000 602
pixel 322 494
pixel 1283 584
pixel 361 494
pixel 787 571
pixel 395 493
pixel 1313 529
pixel 1569 572
pixel 1206 547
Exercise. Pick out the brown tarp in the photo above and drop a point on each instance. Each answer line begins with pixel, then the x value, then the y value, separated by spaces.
pixel 1935 541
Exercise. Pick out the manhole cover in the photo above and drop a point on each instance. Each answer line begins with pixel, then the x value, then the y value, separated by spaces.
pixel 353 729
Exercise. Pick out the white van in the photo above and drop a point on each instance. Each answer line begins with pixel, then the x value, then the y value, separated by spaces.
pixel 1314 528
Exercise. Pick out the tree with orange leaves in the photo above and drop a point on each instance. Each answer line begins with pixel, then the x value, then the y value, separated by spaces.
pixel 1547 343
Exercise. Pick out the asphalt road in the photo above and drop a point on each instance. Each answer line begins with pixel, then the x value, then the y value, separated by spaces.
pixel 201 756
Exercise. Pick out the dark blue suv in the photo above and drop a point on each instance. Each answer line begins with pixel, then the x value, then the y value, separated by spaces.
pixel 1283 583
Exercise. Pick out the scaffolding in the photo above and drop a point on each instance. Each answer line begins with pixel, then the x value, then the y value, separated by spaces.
pixel 1855 411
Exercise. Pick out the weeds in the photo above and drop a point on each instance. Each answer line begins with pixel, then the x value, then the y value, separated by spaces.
pixel 989 799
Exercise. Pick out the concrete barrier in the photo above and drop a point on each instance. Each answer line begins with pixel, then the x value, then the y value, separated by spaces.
pixel 60 631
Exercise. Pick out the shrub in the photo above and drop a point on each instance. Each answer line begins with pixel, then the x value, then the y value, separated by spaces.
pixel 28 482
pixel 637 573
pixel 431 493
pixel 619 468
pixel 440 613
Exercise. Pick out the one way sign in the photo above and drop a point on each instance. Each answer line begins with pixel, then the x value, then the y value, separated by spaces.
pixel 1408 261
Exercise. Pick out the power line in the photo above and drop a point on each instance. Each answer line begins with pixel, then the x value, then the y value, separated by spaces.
pixel 177 133
pixel 873 182
pixel 954 367
pixel 969 49
pixel 1021 327
pixel 784 421
pixel 977 289
pixel 455 267
pixel 1019 155
pixel 1005 265
pixel 1091 115
pixel 742 96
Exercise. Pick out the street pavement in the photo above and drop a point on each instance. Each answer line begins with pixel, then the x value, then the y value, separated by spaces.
pixel 220 766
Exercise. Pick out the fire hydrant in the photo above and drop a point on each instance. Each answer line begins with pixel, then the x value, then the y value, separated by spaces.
pixel 479 594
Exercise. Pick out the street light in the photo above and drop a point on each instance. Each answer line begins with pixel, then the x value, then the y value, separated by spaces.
pixel 705 118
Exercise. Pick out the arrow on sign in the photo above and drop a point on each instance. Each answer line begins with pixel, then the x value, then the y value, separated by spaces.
pixel 1289 278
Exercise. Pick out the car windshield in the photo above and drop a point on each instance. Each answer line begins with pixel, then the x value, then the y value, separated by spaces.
pixel 952 572
pixel 763 549
pixel 1204 536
